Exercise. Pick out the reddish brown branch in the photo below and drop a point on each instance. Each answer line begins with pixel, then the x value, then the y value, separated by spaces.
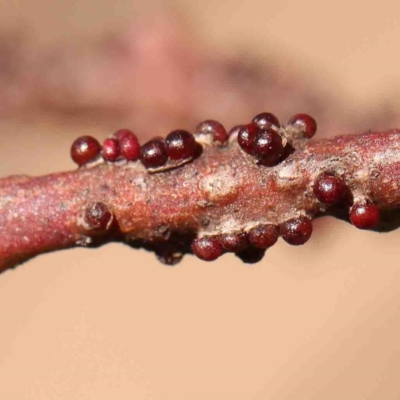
pixel 221 192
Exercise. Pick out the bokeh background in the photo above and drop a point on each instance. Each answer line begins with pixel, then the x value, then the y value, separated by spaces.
pixel 317 322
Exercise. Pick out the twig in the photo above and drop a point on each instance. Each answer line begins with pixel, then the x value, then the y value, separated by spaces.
pixel 221 193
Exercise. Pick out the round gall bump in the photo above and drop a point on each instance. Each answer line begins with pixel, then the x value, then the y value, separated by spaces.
pixel 207 248
pixel 128 144
pixel 214 128
pixel 98 217
pixel 247 136
pixel 169 255
pixel 296 231
pixel 266 120
pixel 154 154
pixel 264 236
pixel 365 216
pixel 234 242
pixel 85 149
pixel 305 123
pixel 180 145
pixel 120 133
pixel 251 255
pixel 268 147
pixel 111 149
pixel 329 189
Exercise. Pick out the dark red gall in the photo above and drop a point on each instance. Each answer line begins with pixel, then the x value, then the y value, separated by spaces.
pixel 296 231
pixel 247 137
pixel 128 144
pixel 268 147
pixel 85 149
pixel 214 128
pixel 180 145
pixel 111 149
pixel 305 122
pixel 251 255
pixel 264 236
pixel 207 248
pixel 153 154
pixel 121 133
pixel 235 242
pixel 365 216
pixel 266 120
pixel 98 217
pixel 329 189
pixel 169 254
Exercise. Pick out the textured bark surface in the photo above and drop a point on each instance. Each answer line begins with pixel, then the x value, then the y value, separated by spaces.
pixel 221 192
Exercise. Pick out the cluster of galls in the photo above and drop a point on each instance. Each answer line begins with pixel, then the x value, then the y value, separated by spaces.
pixel 122 145
pixel 263 140
pixel 332 190
pixel 250 246
pixel 266 140
pixel 177 147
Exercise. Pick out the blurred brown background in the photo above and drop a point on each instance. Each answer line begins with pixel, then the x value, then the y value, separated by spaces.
pixel 317 322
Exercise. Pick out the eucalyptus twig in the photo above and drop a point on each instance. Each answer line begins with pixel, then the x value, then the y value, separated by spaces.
pixel 207 196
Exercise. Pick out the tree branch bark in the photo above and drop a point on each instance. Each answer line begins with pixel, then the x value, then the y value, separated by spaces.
pixel 220 192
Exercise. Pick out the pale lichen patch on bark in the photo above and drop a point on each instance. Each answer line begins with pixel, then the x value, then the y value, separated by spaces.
pixel 288 172
pixel 220 186
pixel 205 139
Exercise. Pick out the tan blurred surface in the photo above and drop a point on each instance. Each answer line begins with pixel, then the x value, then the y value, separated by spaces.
pixel 317 322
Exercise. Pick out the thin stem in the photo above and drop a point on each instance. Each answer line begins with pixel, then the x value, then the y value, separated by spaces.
pixel 220 192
